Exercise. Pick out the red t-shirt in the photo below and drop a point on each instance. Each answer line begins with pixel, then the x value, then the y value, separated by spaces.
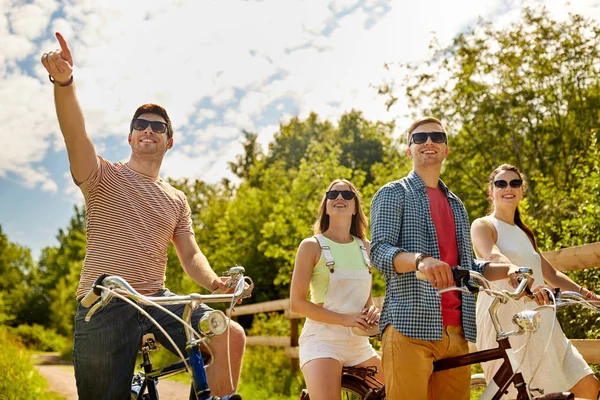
pixel 443 219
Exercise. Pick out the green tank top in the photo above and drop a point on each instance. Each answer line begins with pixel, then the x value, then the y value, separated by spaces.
pixel 346 256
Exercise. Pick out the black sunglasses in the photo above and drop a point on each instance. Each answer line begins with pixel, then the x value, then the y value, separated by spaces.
pixel 346 194
pixel 421 137
pixel 140 124
pixel 515 183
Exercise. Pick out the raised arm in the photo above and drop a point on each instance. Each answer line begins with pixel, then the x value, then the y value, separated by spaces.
pixel 80 149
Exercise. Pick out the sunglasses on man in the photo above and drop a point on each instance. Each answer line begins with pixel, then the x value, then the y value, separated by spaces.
pixel 515 183
pixel 333 194
pixel 139 124
pixel 421 137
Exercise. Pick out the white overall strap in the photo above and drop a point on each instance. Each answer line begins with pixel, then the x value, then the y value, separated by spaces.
pixel 329 261
pixel 363 250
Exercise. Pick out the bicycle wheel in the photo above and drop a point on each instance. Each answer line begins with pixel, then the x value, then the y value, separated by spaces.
pixel 353 388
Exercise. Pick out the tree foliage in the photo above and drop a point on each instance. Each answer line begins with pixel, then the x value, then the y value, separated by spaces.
pixel 527 94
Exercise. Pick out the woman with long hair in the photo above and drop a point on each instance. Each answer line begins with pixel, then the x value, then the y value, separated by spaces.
pixel 502 236
pixel 334 264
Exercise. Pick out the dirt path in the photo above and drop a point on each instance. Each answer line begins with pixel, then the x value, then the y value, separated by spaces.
pixel 61 379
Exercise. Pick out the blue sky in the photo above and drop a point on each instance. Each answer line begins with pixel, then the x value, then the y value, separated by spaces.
pixel 218 67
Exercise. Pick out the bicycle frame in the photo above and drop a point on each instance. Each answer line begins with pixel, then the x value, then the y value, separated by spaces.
pixel 505 376
pixel 502 379
pixel 105 286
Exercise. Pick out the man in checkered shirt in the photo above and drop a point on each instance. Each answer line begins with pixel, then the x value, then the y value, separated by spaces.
pixel 418 224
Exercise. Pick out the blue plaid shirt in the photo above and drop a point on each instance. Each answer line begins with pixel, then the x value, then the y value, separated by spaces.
pixel 401 222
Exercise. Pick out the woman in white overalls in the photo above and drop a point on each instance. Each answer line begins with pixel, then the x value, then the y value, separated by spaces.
pixel 335 265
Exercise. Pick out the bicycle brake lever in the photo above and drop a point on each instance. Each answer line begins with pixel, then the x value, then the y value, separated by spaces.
pixel 247 293
pixel 463 278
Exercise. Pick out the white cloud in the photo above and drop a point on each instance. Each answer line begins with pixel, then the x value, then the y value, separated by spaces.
pixel 178 54
pixel 205 113
pixel 31 20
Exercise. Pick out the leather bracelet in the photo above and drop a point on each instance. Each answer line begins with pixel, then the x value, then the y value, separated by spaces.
pixel 586 296
pixel 420 257
pixel 68 83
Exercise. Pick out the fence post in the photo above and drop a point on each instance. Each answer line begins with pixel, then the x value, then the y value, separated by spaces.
pixel 294 341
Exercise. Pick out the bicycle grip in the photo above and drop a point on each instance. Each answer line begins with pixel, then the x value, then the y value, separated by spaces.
pixel 94 293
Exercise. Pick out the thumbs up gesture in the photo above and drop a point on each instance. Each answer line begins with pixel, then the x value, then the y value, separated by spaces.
pixel 59 63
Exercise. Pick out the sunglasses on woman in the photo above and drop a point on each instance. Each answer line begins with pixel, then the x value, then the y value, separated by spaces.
pixel 346 194
pixel 140 124
pixel 421 137
pixel 515 183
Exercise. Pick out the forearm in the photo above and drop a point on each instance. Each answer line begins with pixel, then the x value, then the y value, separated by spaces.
pixel 68 111
pixel 370 301
pixel 496 271
pixel 405 262
pixel 200 271
pixel 316 313
pixel 562 281
pixel 80 149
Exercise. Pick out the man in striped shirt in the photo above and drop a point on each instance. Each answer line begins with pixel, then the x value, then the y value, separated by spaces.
pixel 417 223
pixel 131 217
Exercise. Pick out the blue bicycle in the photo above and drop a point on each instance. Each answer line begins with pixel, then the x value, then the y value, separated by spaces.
pixel 144 384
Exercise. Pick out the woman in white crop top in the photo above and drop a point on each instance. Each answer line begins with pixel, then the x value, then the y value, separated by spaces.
pixel 503 237
pixel 334 264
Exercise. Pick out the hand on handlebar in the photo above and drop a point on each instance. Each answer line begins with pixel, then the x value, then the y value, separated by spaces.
pixel 220 286
pixel 516 275
pixel 540 294
pixel 230 283
pixel 437 272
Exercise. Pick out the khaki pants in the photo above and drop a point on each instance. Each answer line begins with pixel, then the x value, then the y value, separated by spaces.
pixel 408 366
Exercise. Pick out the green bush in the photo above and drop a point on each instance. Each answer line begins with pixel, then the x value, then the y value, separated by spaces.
pixel 37 337
pixel 267 373
pixel 18 378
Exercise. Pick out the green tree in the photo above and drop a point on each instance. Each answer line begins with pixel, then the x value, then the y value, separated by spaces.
pixel 16 265
pixel 57 275
pixel 529 95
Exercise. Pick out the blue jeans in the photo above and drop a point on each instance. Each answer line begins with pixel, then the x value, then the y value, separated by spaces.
pixel 105 348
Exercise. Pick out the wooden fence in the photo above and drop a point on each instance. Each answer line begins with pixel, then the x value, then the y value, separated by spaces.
pixel 568 259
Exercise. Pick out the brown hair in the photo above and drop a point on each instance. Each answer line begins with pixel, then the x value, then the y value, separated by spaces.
pixel 153 109
pixel 359 221
pixel 420 122
pixel 517 219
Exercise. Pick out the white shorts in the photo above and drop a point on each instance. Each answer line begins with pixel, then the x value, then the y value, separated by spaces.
pixel 349 352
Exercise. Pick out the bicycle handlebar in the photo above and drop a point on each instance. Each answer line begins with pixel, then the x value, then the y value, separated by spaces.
pixel 568 298
pixel 113 282
pixel 462 276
